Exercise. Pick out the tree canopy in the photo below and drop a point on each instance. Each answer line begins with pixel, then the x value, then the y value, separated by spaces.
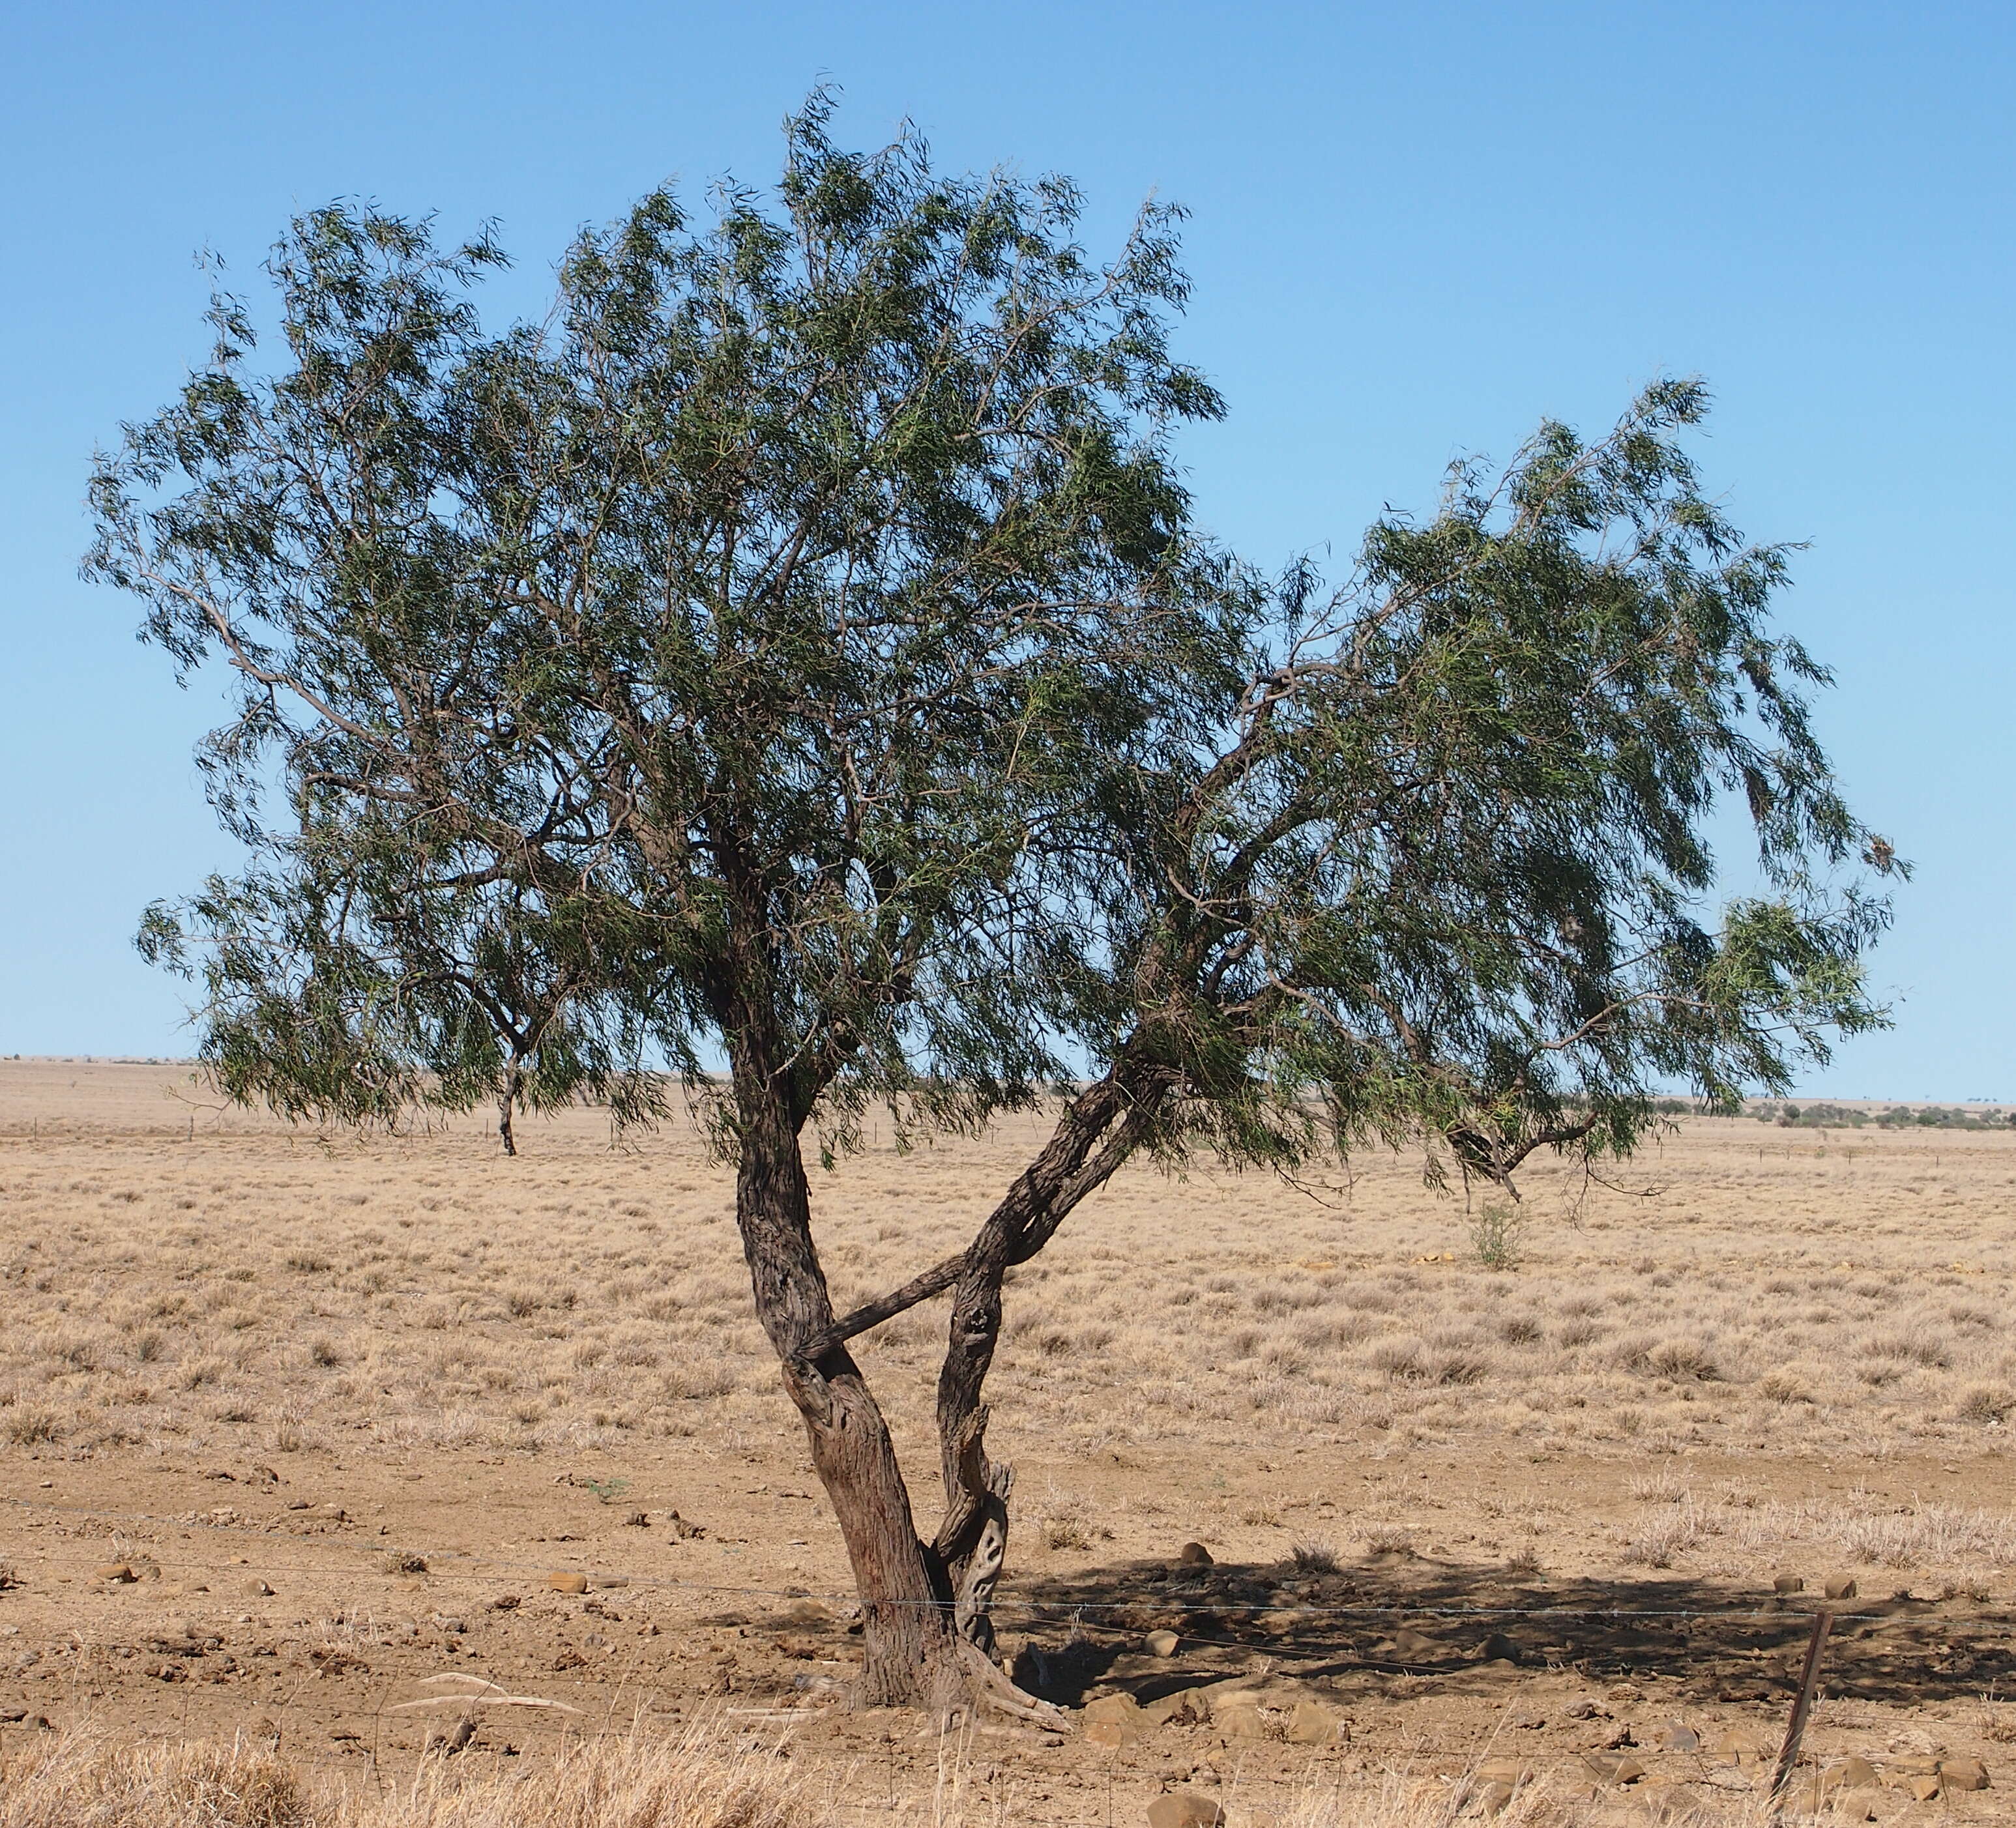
pixel 798 650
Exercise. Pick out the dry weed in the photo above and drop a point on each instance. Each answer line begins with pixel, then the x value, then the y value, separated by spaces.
pixel 702 1779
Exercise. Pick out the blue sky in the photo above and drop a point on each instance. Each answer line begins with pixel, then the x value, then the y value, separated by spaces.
pixel 1416 230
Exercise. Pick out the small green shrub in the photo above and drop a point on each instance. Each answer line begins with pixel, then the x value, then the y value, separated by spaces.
pixel 1495 1234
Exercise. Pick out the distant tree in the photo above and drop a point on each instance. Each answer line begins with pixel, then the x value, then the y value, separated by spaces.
pixel 797 646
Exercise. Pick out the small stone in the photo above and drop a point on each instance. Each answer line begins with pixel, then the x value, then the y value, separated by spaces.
pixel 1112 1736
pixel 1194 1555
pixel 1787 1584
pixel 1674 1737
pixel 256 1590
pixel 1488 1800
pixel 1122 1707
pixel 1587 1708
pixel 568 1583
pixel 1239 1720
pixel 114 1570
pixel 1312 1724
pixel 1186 1707
pixel 1162 1643
pixel 1613 1767
pixel 1913 1765
pixel 1962 1774
pixel 1738 1749
pixel 1851 1773
pixel 1923 1790
pixel 1840 1587
pixel 1185 1809
pixel 606 1582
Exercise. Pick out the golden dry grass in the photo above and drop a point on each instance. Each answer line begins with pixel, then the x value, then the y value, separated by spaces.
pixel 262 1289
pixel 700 1779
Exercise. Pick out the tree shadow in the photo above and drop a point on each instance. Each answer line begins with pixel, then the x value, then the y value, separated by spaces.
pixel 1407 1623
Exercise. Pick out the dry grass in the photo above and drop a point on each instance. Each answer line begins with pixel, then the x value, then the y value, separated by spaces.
pixel 271 1292
pixel 701 1780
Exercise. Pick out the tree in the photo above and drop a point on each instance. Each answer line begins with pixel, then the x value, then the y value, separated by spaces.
pixel 797 647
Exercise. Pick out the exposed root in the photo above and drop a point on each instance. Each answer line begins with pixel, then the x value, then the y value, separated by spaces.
pixel 978 1685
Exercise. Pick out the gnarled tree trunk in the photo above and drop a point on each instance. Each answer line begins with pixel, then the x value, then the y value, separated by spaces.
pixel 906 1628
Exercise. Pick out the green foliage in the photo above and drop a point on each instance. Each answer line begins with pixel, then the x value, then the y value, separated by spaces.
pixel 1495 1234
pixel 797 645
pixel 704 667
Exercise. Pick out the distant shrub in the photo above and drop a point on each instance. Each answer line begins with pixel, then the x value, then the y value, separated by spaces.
pixel 1495 1234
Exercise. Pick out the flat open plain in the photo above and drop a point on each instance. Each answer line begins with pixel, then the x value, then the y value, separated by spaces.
pixel 341 1407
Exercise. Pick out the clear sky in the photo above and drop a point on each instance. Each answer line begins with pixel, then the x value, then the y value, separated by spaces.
pixel 1418 229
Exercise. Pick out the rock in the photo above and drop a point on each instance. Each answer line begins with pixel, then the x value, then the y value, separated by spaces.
pixel 1509 1771
pixel 1312 1724
pixel 1239 1720
pixel 1674 1737
pixel 1412 1644
pixel 1787 1584
pixel 1162 1643
pixel 1489 1799
pixel 256 1590
pixel 1122 1707
pixel 568 1583
pixel 1912 1764
pixel 1851 1773
pixel 1111 1735
pixel 610 1580
pixel 1613 1767
pixel 1185 1809
pixel 1194 1555
pixel 1840 1587
pixel 1737 1748
pixel 1923 1790
pixel 1186 1707
pixel 114 1570
pixel 1587 1708
pixel 1962 1774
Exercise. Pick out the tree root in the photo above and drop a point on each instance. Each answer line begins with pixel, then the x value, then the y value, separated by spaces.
pixel 975 1684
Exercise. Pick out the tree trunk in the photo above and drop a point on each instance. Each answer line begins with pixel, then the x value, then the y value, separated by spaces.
pixel 505 1102
pixel 1096 1132
pixel 911 1656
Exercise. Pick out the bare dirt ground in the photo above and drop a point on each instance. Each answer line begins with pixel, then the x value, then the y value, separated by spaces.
pixel 291 1425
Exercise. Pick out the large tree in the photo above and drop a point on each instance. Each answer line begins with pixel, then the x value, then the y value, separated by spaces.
pixel 794 652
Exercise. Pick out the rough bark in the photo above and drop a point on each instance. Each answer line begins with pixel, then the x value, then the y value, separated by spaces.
pixel 1095 1133
pixel 906 1629
pixel 506 1103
